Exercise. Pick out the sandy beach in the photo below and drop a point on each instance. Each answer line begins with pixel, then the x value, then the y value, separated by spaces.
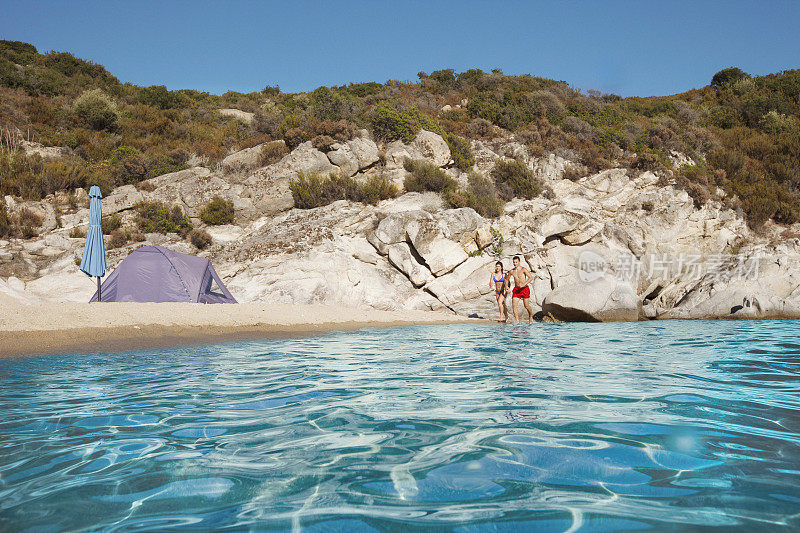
pixel 46 328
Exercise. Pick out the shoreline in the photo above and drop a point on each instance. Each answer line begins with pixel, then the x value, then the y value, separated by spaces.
pixel 70 328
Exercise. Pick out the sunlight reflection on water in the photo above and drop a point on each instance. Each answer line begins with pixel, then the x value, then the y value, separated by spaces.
pixel 551 426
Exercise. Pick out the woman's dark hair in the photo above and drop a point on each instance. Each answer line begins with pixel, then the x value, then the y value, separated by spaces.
pixel 499 263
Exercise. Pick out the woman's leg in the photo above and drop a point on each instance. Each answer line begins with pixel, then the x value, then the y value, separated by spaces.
pixel 500 306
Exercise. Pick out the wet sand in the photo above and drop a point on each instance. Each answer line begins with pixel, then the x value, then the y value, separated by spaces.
pixel 49 328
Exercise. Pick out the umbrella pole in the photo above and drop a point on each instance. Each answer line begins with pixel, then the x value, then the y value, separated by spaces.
pixel 99 298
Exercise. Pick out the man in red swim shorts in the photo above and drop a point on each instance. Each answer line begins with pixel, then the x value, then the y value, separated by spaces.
pixel 522 277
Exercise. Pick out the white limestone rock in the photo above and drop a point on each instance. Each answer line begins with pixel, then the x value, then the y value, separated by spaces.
pixel 354 155
pixel 121 199
pixel 244 116
pixel 603 300
pixel 400 256
pixel 242 161
pixel 426 145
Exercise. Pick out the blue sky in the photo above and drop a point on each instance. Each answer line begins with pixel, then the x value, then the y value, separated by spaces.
pixel 629 48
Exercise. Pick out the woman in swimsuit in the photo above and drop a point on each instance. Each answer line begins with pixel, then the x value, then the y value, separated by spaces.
pixel 500 286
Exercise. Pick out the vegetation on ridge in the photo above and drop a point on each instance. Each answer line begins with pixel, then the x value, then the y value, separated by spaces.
pixel 310 190
pixel 743 132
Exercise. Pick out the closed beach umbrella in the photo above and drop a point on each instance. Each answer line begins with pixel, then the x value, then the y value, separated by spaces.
pixel 93 262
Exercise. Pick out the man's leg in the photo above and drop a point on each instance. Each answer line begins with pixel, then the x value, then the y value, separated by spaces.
pixel 514 307
pixel 527 303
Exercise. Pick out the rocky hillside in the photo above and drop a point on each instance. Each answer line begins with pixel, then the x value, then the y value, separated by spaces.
pixel 401 195
pixel 617 244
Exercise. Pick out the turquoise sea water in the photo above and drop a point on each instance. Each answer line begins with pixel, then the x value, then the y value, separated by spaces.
pixel 551 427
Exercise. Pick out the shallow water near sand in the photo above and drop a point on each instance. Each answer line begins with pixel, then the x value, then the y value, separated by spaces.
pixel 677 425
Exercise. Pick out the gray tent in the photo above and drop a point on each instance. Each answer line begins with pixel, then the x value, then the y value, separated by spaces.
pixel 156 274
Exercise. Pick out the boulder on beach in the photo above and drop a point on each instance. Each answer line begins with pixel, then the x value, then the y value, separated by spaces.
pixel 602 300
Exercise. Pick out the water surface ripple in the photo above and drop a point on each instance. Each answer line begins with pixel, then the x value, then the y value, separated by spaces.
pixel 552 427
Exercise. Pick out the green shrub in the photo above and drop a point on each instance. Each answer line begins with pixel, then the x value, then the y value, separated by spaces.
pixel 156 217
pixel 69 65
pixel 64 174
pixel 776 123
pixel 514 179
pixel 200 239
pixel 311 190
pixel 110 223
pixel 722 116
pixel 728 75
pixel 159 164
pixel 159 96
pixel 390 123
pixel 481 195
pixel 217 211
pixel 426 176
pixel 271 90
pixel 307 191
pixel 18 52
pixel 97 109
pixel 460 151
pixel 443 77
pixel 375 189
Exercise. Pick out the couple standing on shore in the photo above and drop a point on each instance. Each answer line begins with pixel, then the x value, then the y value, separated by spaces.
pixel 501 282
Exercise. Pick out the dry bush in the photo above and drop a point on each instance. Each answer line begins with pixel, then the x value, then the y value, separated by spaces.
pixel 480 127
pixel 272 152
pixel 118 239
pixel 323 143
pixel 200 238
pixel 77 233
pixel 310 191
pixel 575 172
pixel 26 217
pixel 580 128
